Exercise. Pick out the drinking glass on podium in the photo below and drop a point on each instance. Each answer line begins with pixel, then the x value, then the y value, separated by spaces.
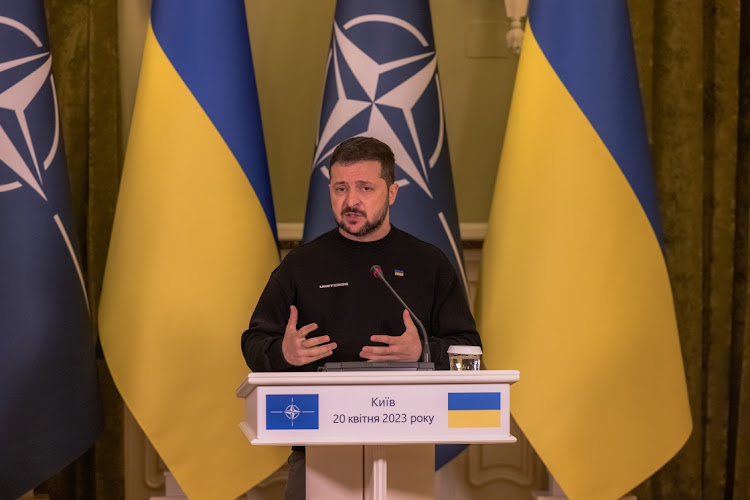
pixel 465 357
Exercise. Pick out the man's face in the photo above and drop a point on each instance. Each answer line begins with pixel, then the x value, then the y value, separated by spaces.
pixel 360 200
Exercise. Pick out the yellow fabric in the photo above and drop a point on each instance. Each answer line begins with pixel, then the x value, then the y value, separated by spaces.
pixel 191 250
pixel 574 293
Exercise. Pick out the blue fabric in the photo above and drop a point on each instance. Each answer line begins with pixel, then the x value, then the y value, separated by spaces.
pixel 590 47
pixel 49 403
pixel 220 75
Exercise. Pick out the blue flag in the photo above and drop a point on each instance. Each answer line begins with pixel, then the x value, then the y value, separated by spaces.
pixel 49 403
pixel 382 82
pixel 292 411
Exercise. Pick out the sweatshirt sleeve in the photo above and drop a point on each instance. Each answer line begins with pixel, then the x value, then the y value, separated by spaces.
pixel 451 320
pixel 261 342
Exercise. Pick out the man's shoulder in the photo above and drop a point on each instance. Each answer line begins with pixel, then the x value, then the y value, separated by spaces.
pixel 310 249
pixel 418 246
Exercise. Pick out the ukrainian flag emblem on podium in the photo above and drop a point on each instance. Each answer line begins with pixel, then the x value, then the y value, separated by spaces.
pixel 473 409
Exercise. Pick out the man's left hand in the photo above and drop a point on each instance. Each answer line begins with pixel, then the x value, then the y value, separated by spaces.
pixel 404 347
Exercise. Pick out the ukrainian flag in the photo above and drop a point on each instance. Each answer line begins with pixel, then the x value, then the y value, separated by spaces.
pixel 473 409
pixel 192 247
pixel 574 290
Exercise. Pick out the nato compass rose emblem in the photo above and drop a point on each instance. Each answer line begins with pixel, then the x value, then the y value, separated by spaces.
pixel 292 412
pixel 29 121
pixel 380 99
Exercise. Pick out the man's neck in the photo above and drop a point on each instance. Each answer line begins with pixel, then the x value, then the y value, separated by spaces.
pixel 380 233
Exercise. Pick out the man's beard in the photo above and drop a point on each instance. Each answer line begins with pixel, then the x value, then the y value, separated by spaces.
pixel 368 226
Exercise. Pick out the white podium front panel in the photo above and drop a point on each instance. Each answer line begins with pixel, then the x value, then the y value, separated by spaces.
pixel 378 407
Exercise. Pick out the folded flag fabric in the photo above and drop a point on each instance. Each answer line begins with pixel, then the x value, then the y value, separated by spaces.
pixel 50 411
pixel 574 290
pixel 192 247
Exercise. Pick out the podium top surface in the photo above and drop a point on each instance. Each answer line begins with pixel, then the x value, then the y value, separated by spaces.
pixel 378 377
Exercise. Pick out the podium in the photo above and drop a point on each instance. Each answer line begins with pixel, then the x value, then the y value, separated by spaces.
pixel 371 434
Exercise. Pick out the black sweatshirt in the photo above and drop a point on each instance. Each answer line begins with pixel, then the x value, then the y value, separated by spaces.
pixel 330 283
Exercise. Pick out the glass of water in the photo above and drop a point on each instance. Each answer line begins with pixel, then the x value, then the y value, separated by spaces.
pixel 465 357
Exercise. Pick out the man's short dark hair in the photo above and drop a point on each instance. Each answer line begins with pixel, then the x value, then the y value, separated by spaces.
pixel 359 149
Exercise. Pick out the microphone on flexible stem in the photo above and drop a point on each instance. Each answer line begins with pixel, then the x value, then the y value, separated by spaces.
pixel 378 273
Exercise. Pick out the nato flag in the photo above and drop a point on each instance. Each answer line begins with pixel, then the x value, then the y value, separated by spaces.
pixel 382 82
pixel 291 411
pixel 49 403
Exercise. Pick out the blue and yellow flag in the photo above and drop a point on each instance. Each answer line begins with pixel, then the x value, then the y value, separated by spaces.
pixel 382 81
pixel 574 289
pixel 192 247
pixel 49 400
pixel 473 409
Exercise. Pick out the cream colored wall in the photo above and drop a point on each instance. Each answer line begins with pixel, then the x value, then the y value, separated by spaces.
pixel 290 40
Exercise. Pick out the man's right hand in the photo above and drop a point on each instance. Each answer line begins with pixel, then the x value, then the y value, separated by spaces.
pixel 298 350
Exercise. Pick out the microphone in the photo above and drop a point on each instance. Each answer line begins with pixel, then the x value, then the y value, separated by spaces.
pixel 378 273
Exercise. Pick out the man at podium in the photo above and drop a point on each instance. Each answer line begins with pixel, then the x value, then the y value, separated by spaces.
pixel 323 304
